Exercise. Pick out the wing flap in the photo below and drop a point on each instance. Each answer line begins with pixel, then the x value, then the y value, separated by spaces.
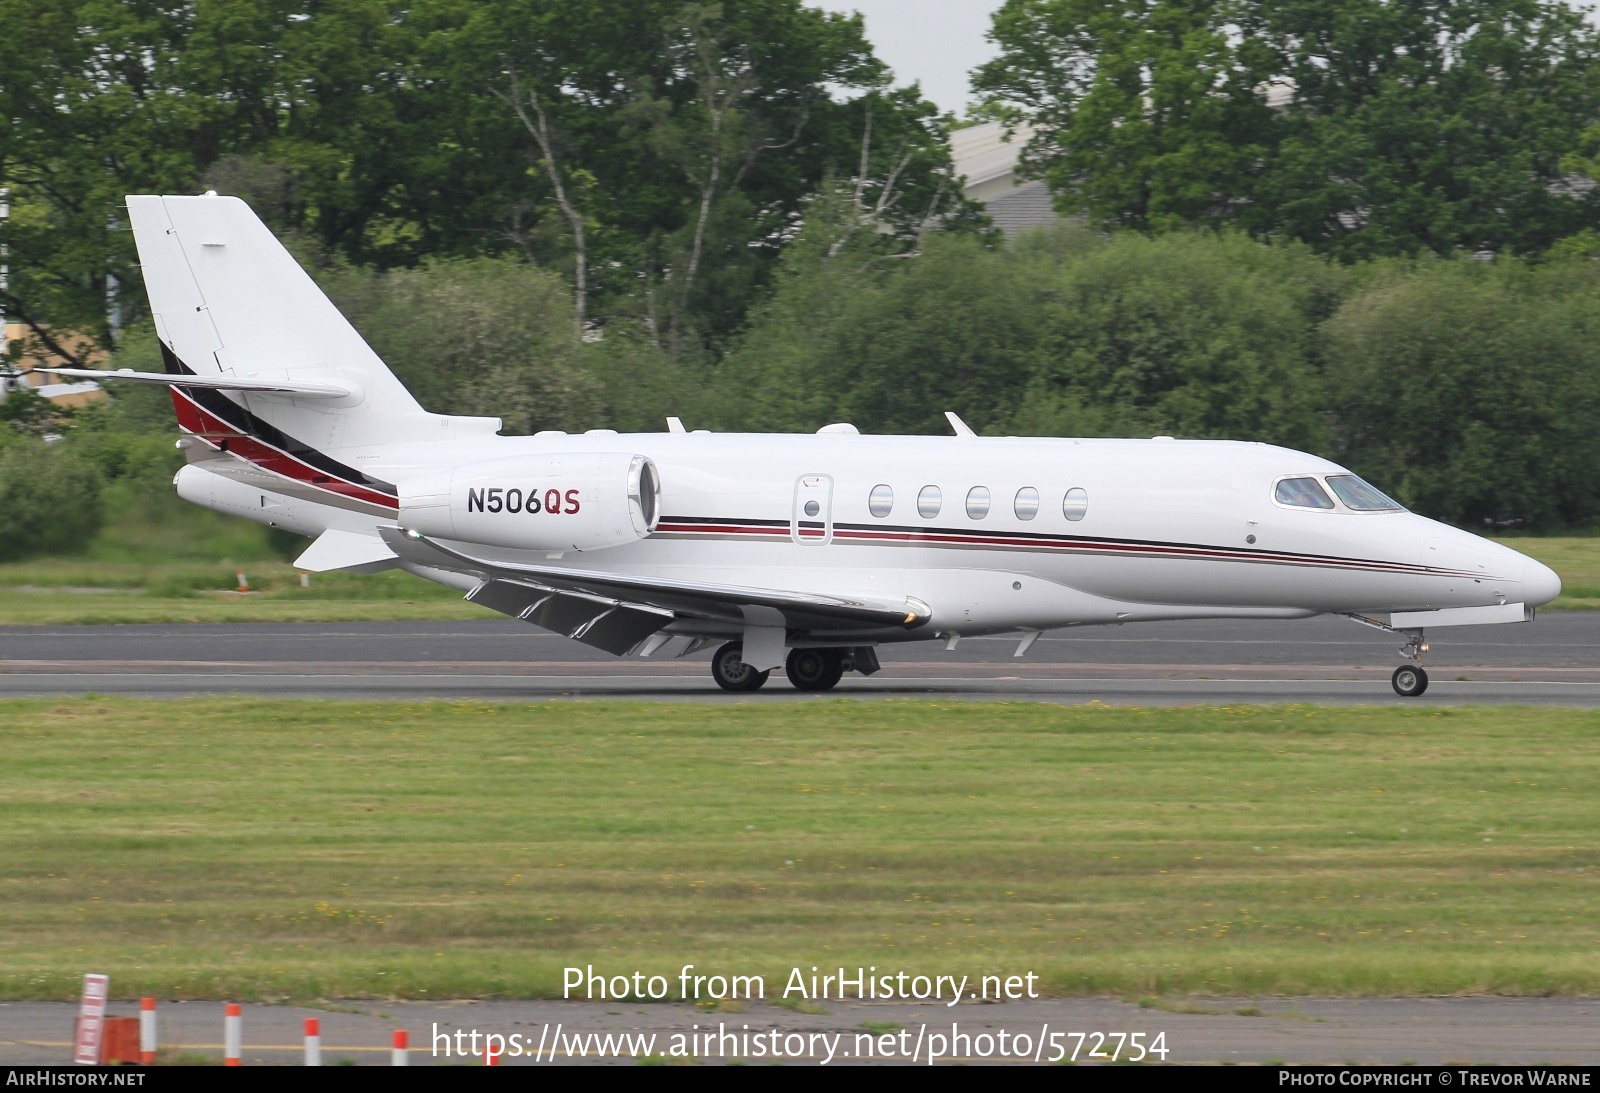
pixel 684 599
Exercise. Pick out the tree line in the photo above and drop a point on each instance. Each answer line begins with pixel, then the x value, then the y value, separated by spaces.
pixel 1366 230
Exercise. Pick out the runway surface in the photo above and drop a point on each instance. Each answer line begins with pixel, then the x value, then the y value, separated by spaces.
pixel 1427 1031
pixel 1553 661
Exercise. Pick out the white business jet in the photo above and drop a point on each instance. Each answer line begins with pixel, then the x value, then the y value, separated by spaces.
pixel 798 551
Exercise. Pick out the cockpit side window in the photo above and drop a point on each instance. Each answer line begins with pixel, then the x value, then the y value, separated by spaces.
pixel 1362 496
pixel 1302 493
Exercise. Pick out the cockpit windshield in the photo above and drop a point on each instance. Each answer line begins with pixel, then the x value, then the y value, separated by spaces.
pixel 1302 493
pixel 1361 496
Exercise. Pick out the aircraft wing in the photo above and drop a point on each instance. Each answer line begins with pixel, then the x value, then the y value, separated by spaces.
pixel 616 612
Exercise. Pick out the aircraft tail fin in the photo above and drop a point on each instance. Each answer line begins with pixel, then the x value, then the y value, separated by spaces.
pixel 232 306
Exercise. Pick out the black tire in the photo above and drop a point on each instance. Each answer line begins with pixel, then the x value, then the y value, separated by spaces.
pixel 1409 680
pixel 732 673
pixel 814 669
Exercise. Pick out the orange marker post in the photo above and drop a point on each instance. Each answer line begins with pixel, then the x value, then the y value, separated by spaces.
pixel 400 1055
pixel 232 1035
pixel 313 1042
pixel 147 1031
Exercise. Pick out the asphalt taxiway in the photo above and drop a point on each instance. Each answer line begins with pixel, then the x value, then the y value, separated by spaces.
pixel 1552 661
pixel 1428 1031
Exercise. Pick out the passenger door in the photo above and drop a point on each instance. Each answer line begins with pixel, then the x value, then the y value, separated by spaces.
pixel 812 520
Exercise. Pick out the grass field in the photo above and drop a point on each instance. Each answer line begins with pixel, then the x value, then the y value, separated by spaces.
pixel 191 586
pixel 160 559
pixel 276 850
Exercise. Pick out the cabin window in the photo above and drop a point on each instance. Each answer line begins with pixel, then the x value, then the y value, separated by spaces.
pixel 812 508
pixel 1361 496
pixel 1302 493
pixel 1075 505
pixel 1026 506
pixel 881 501
pixel 977 502
pixel 928 502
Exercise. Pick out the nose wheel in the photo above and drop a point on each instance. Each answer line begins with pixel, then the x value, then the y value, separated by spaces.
pixel 732 673
pixel 1409 680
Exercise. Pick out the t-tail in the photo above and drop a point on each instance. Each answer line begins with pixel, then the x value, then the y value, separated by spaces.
pixel 272 372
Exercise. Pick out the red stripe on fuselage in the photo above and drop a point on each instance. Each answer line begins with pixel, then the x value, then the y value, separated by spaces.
pixel 214 431
pixel 975 539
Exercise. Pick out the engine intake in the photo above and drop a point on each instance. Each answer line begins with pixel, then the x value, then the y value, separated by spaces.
pixel 576 501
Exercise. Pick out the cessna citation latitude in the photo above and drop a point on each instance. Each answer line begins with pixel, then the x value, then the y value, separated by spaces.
pixel 805 552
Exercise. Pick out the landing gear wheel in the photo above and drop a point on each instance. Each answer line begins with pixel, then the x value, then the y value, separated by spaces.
pixel 814 669
pixel 1409 680
pixel 732 673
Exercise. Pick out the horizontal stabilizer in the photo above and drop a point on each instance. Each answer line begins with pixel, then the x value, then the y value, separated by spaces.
pixel 214 383
pixel 346 550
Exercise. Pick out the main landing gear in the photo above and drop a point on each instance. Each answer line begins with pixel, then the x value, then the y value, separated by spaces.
pixel 732 673
pixel 817 669
pixel 814 669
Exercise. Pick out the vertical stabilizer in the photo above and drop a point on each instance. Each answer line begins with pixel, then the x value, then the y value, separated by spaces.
pixel 230 301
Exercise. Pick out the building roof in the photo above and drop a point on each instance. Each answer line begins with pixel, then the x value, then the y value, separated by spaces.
pixel 987 162
pixel 982 153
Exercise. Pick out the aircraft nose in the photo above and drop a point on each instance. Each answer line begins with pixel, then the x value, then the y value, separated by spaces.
pixel 1540 584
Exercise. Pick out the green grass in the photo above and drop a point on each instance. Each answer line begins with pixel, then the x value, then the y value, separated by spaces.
pixel 272 850
pixel 160 559
pixel 1575 558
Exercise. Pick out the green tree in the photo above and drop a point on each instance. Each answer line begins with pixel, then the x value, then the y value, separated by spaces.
pixel 1365 129
pixel 1439 126
pixel 1145 114
pixel 49 499
pixel 1472 391
pixel 492 337
pixel 101 98
pixel 1191 334
pixel 1064 333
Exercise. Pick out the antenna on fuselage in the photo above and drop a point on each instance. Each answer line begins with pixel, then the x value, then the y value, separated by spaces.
pixel 675 425
pixel 961 427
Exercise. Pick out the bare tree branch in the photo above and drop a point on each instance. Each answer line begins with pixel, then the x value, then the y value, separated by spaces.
pixel 14 307
pixel 538 127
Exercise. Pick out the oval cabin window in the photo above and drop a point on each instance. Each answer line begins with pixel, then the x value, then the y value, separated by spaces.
pixel 928 502
pixel 1075 505
pixel 977 502
pixel 1026 506
pixel 881 501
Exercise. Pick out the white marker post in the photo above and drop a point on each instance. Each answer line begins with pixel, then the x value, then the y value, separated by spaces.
pixel 147 1031
pixel 400 1055
pixel 232 1035
pixel 91 1020
pixel 313 1042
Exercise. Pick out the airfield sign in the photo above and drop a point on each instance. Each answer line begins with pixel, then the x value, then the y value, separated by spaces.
pixel 91 1020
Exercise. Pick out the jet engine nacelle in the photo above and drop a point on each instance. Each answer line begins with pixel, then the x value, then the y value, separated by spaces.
pixel 577 501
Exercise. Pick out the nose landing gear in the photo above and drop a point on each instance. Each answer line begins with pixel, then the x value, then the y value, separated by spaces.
pixel 1409 680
